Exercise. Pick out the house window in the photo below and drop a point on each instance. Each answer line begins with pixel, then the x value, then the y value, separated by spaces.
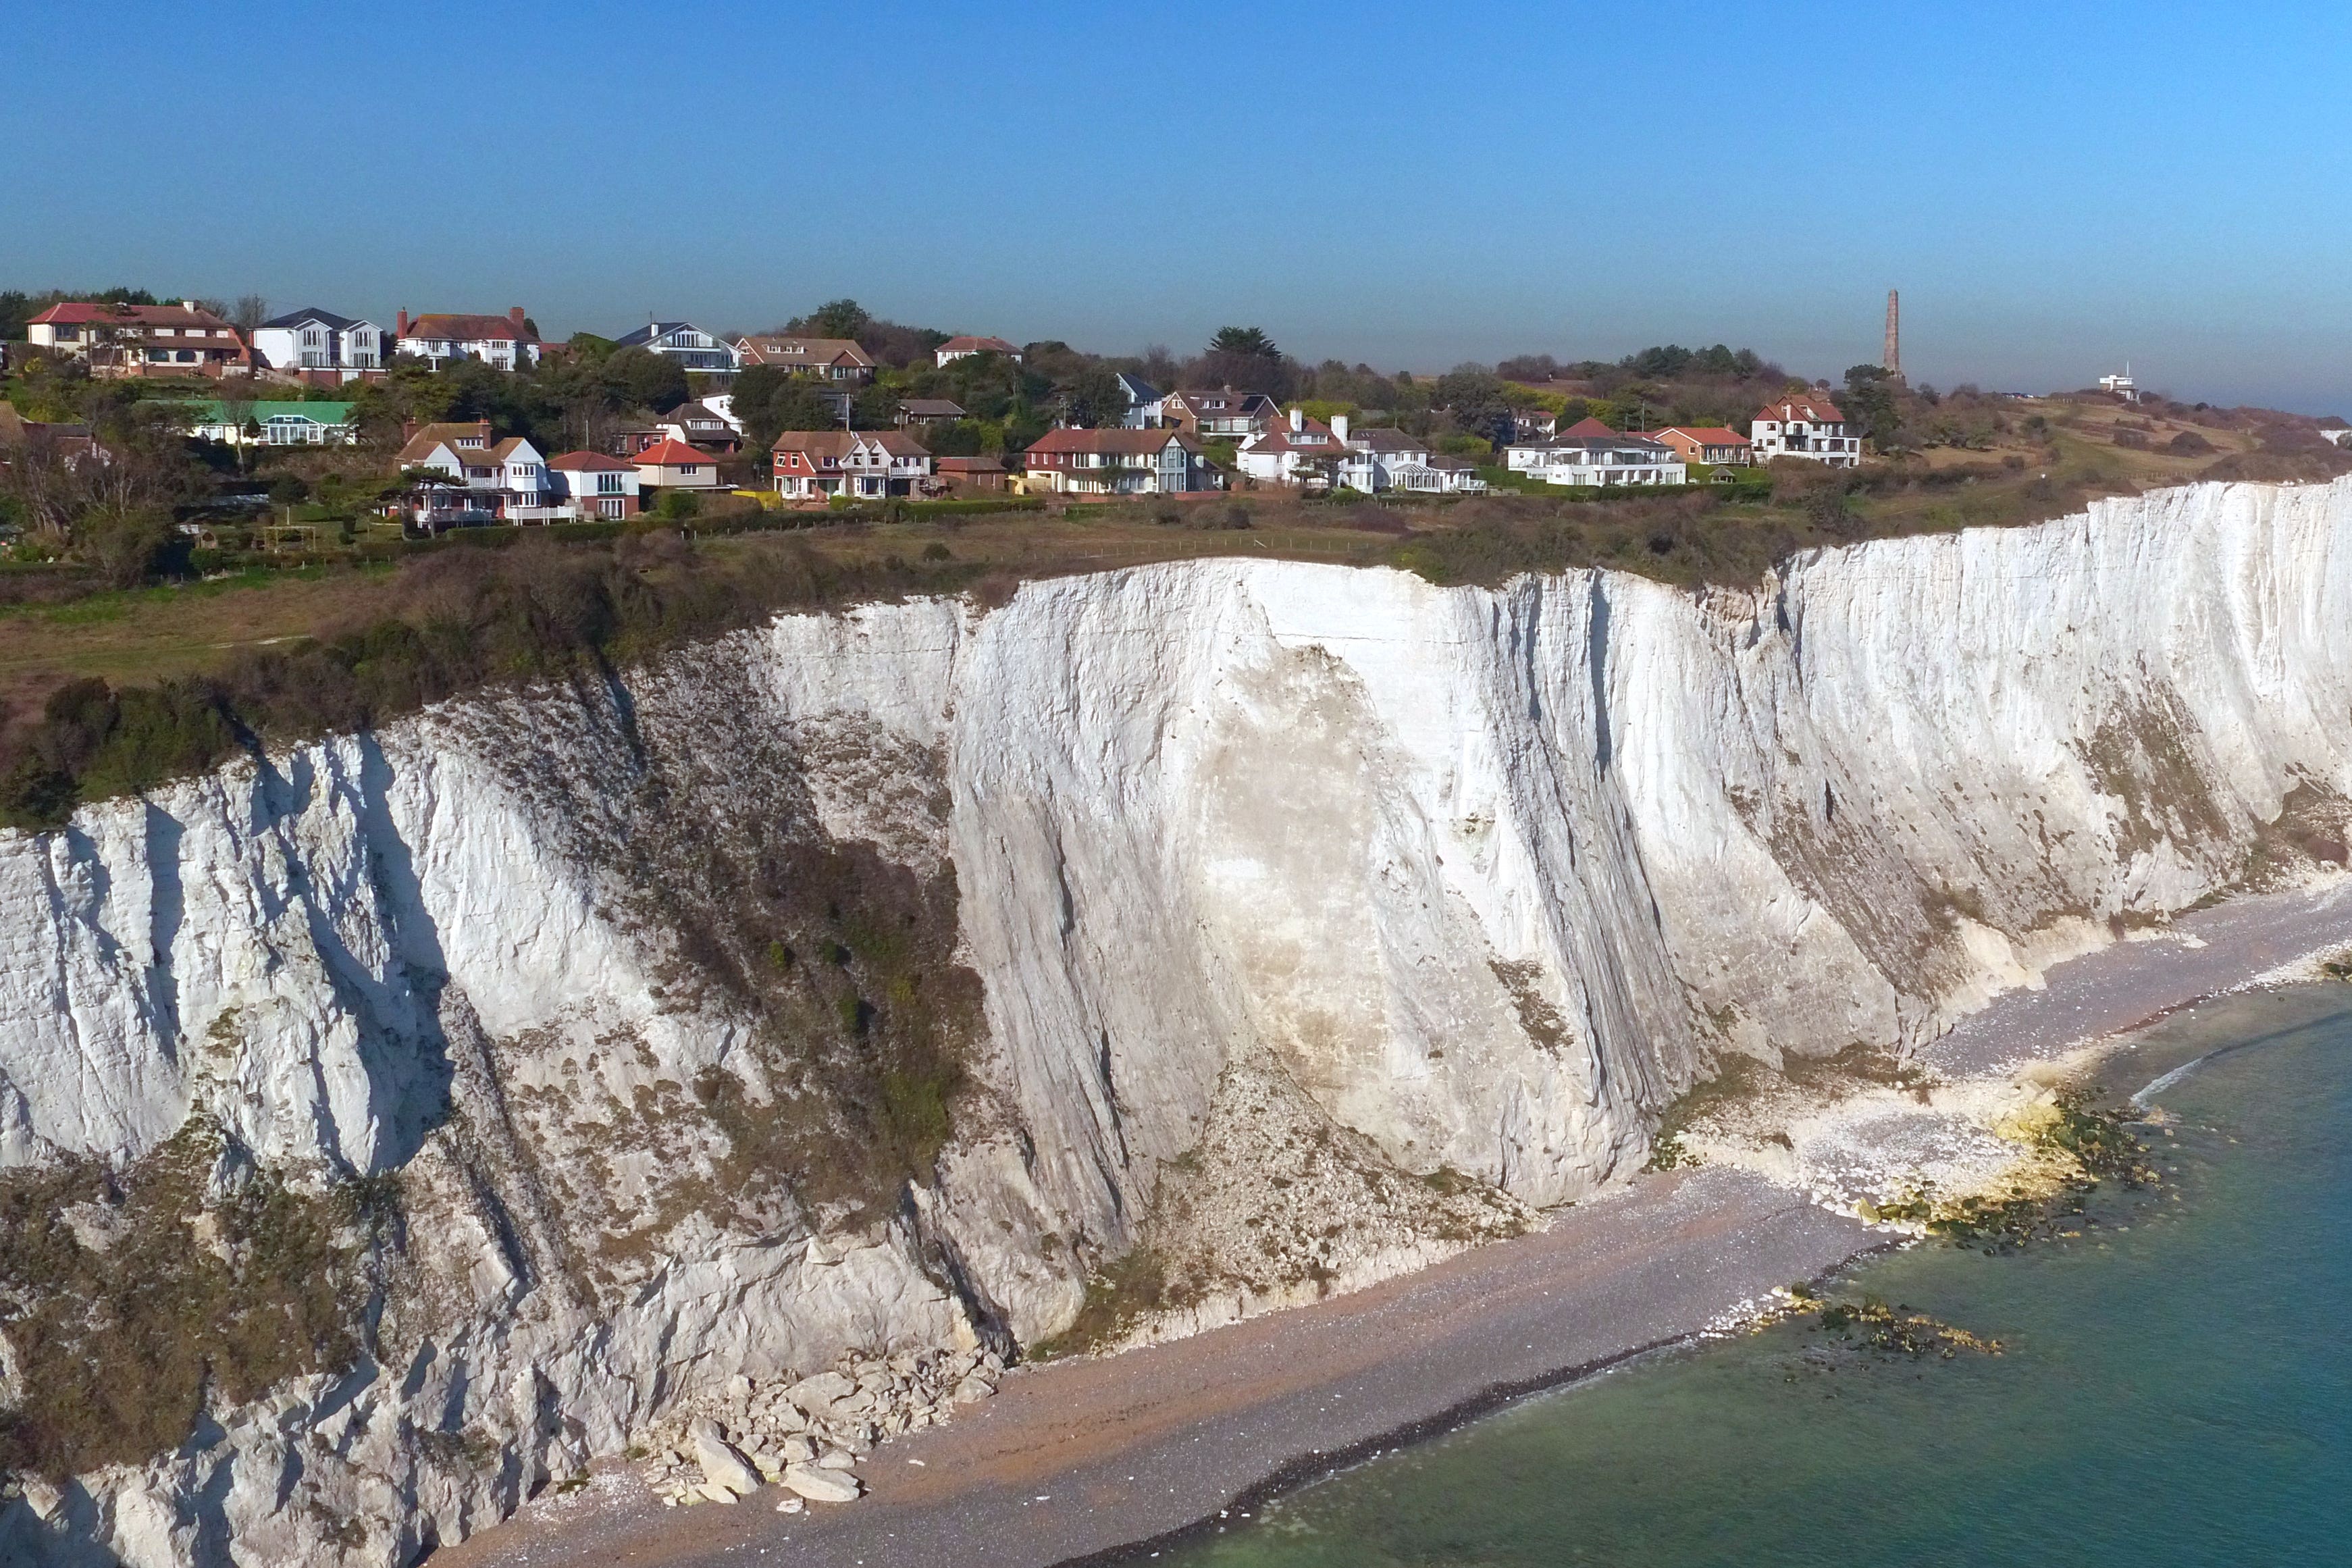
pixel 608 485
pixel 684 469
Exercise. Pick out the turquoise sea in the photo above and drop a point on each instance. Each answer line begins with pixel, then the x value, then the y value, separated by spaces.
pixel 2176 1386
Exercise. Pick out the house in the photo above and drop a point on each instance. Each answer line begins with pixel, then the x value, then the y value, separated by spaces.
pixel 684 343
pixel 1589 453
pixel 127 342
pixel 972 476
pixel 1303 452
pixel 281 423
pixel 927 411
pixel 722 404
pixel 817 465
pixel 70 443
pixel 827 359
pixel 671 464
pixel 1380 460
pixel 497 479
pixel 592 485
pixel 1143 402
pixel 1118 463
pixel 955 349
pixel 507 341
pixel 1705 444
pixel 1220 415
pixel 1803 425
pixel 311 339
pixel 699 425
pixel 2122 385
pixel 1533 424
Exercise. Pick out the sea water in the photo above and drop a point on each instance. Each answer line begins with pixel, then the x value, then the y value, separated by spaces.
pixel 2175 1383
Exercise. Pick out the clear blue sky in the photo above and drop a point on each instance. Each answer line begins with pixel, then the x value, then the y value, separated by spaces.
pixel 2055 187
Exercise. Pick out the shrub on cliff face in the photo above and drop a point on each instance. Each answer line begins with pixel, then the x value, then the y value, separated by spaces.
pixel 130 1300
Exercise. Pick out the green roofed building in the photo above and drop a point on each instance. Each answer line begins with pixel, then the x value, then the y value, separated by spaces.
pixel 279 424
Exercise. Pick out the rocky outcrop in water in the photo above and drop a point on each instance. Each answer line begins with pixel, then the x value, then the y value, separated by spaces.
pixel 863 985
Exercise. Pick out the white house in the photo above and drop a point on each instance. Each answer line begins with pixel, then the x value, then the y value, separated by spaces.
pixel 1380 460
pixel 1303 452
pixel 958 348
pixel 1803 425
pixel 500 478
pixel 316 340
pixel 722 404
pixel 1143 402
pixel 683 341
pixel 816 465
pixel 1589 453
pixel 1118 462
pixel 593 485
pixel 279 424
pixel 507 342
pixel 2123 386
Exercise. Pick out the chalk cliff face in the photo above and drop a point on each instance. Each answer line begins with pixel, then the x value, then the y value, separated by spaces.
pixel 1224 868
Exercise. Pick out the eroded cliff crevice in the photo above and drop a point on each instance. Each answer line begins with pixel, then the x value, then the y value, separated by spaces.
pixel 874 982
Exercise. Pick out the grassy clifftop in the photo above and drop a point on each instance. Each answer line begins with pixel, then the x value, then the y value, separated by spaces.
pixel 103 692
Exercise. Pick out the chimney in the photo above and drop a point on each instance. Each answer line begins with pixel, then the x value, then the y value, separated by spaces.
pixel 400 326
pixel 514 314
pixel 188 305
pixel 1297 421
pixel 1339 428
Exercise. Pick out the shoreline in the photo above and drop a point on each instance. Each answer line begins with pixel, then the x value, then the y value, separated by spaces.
pixel 1092 1463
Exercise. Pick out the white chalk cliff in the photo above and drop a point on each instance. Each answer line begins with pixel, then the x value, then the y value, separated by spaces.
pixel 1472 880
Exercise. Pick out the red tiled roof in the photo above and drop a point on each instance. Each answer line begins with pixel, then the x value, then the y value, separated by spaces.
pixel 978 346
pixel 85 313
pixel 1704 435
pixel 1279 437
pixel 468 329
pixel 1807 407
pixel 1128 443
pixel 972 465
pixel 591 463
pixel 1588 425
pixel 669 452
pixel 837 443
pixel 771 349
pixel 420 445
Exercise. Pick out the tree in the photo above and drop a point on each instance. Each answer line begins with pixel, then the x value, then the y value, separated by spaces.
pixel 1249 342
pixel 1094 399
pixel 1871 406
pixel 236 412
pixel 770 402
pixel 836 319
pixel 128 545
pixel 639 378
pixel 251 310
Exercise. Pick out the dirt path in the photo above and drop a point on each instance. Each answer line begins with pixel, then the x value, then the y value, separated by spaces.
pixel 1078 1459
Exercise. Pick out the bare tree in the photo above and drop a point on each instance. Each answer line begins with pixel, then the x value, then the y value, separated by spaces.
pixel 252 310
